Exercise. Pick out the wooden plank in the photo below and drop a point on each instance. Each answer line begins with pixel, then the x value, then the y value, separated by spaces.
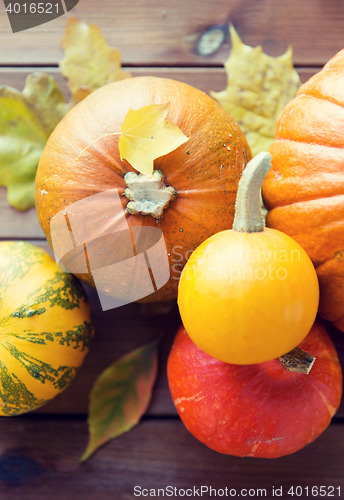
pixel 14 224
pixel 117 332
pixel 202 78
pixel 160 32
pixel 205 79
pixel 39 461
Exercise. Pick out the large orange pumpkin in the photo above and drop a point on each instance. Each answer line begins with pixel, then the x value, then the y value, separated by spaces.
pixel 304 191
pixel 204 171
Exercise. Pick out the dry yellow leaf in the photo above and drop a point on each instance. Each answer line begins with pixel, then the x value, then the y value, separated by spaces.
pixel 89 62
pixel 258 88
pixel 146 135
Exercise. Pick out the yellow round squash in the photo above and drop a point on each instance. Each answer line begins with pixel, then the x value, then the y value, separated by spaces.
pixel 45 328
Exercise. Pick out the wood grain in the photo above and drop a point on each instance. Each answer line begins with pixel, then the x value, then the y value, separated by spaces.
pixel 39 452
pixel 15 224
pixel 39 461
pixel 160 32
pixel 117 332
pixel 205 79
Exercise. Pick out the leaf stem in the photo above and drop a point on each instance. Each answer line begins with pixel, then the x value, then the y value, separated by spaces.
pixel 112 133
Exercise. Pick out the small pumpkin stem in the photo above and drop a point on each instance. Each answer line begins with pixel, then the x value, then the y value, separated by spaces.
pixel 298 360
pixel 249 219
pixel 148 195
pixel 248 216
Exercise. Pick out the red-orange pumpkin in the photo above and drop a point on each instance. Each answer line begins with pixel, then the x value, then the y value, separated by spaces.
pixel 260 410
pixel 304 191
pixel 204 171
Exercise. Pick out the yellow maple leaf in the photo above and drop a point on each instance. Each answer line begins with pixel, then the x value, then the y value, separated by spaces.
pixel 89 62
pixel 146 135
pixel 258 88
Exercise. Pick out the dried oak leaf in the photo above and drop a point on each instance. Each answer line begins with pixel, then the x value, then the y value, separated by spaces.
pixel 26 120
pixel 89 62
pixel 258 88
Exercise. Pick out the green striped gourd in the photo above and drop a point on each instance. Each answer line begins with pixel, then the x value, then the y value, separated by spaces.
pixel 45 328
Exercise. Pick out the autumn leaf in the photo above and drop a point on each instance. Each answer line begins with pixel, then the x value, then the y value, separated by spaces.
pixel 121 395
pixel 258 88
pixel 89 62
pixel 26 120
pixel 146 135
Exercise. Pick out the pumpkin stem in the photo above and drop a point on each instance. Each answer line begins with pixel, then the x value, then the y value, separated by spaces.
pixel 148 195
pixel 298 360
pixel 249 219
pixel 248 216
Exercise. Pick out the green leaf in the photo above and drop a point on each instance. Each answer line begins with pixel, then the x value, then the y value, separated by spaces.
pixel 258 88
pixel 89 62
pixel 121 395
pixel 26 120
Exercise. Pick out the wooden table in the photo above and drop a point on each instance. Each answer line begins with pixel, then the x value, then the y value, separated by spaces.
pixel 39 452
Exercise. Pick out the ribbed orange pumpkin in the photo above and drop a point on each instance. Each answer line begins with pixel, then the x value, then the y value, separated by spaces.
pixel 304 191
pixel 204 171
pixel 258 410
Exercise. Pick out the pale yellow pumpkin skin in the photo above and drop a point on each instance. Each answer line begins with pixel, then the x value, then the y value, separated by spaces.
pixel 45 328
